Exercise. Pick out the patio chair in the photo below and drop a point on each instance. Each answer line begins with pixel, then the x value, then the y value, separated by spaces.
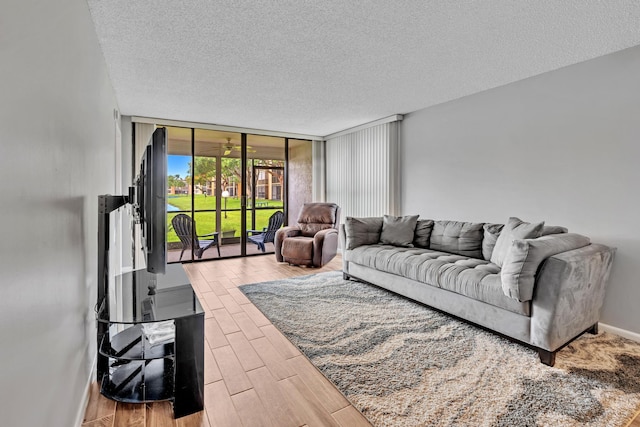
pixel 267 234
pixel 184 227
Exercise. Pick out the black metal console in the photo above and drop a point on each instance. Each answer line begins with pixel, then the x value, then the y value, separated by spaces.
pixel 150 332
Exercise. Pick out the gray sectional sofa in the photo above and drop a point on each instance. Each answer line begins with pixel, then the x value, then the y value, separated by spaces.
pixel 536 284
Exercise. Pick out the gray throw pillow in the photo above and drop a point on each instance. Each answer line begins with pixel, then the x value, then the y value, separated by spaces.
pixel 515 228
pixel 362 231
pixel 491 233
pixel 422 235
pixel 398 230
pixel 526 255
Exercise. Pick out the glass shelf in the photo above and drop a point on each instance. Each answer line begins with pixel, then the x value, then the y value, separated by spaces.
pixel 132 344
pixel 143 297
pixel 139 381
pixel 129 367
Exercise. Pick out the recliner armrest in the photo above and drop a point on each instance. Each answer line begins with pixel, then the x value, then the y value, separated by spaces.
pixel 325 246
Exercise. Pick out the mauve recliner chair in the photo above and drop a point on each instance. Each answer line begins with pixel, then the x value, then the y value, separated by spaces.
pixel 314 241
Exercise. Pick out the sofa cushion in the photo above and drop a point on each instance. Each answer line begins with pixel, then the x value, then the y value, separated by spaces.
pixel 491 233
pixel 362 231
pixel 398 230
pixel 513 229
pixel 462 238
pixel 526 255
pixel 472 277
pixel 553 229
pixel 481 282
pixel 422 235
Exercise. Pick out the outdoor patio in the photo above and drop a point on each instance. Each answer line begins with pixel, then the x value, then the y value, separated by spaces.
pixel 226 251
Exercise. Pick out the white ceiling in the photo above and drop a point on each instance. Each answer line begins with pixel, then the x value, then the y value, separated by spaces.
pixel 317 67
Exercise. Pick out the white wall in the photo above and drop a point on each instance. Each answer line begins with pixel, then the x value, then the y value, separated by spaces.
pixel 563 147
pixel 57 153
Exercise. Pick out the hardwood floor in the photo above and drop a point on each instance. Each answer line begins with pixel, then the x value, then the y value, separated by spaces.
pixel 253 375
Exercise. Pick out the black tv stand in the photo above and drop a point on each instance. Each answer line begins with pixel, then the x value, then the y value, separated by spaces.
pixel 131 366
pixel 136 364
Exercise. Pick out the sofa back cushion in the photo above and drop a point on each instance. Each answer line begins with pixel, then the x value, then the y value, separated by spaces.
pixel 553 229
pixel 456 237
pixel 491 233
pixel 422 235
pixel 525 256
pixel 362 231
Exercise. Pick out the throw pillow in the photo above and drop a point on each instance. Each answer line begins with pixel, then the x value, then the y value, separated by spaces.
pixel 491 233
pixel 362 231
pixel 515 228
pixel 423 233
pixel 526 255
pixel 398 230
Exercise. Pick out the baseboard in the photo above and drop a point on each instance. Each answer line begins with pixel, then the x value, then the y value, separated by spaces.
pixel 634 336
pixel 87 388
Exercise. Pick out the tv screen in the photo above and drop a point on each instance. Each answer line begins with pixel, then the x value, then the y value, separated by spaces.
pixel 151 203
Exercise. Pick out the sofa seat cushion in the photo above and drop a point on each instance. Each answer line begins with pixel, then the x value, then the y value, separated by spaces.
pixel 472 277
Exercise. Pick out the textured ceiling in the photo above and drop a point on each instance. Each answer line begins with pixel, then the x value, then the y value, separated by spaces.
pixel 318 67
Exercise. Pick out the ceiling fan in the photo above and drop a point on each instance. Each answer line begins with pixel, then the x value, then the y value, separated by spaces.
pixel 229 147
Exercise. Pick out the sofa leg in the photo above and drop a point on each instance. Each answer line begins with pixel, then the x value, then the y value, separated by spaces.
pixel 345 276
pixel 547 357
pixel 594 329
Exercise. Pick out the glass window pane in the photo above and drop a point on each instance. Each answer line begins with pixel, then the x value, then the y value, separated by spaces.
pixel 265 184
pixel 177 249
pixel 178 187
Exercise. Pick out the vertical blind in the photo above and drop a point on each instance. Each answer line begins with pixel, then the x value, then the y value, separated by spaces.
pixel 362 171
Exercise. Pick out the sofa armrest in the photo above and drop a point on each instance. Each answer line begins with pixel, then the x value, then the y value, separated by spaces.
pixel 325 246
pixel 343 247
pixel 281 234
pixel 569 294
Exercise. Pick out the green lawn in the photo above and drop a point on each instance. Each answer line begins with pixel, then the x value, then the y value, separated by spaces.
pixel 183 202
pixel 206 221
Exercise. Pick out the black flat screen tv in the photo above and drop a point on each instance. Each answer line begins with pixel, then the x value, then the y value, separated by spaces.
pixel 150 202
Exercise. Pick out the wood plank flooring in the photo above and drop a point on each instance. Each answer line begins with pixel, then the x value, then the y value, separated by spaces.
pixel 253 375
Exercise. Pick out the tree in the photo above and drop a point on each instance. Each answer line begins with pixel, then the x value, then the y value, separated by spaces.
pixel 203 172
pixel 230 168
pixel 175 181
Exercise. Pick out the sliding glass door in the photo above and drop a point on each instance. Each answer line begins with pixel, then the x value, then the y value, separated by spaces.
pixel 227 184
pixel 265 183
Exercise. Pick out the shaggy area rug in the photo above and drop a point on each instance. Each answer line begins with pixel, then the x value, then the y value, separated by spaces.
pixel 403 364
